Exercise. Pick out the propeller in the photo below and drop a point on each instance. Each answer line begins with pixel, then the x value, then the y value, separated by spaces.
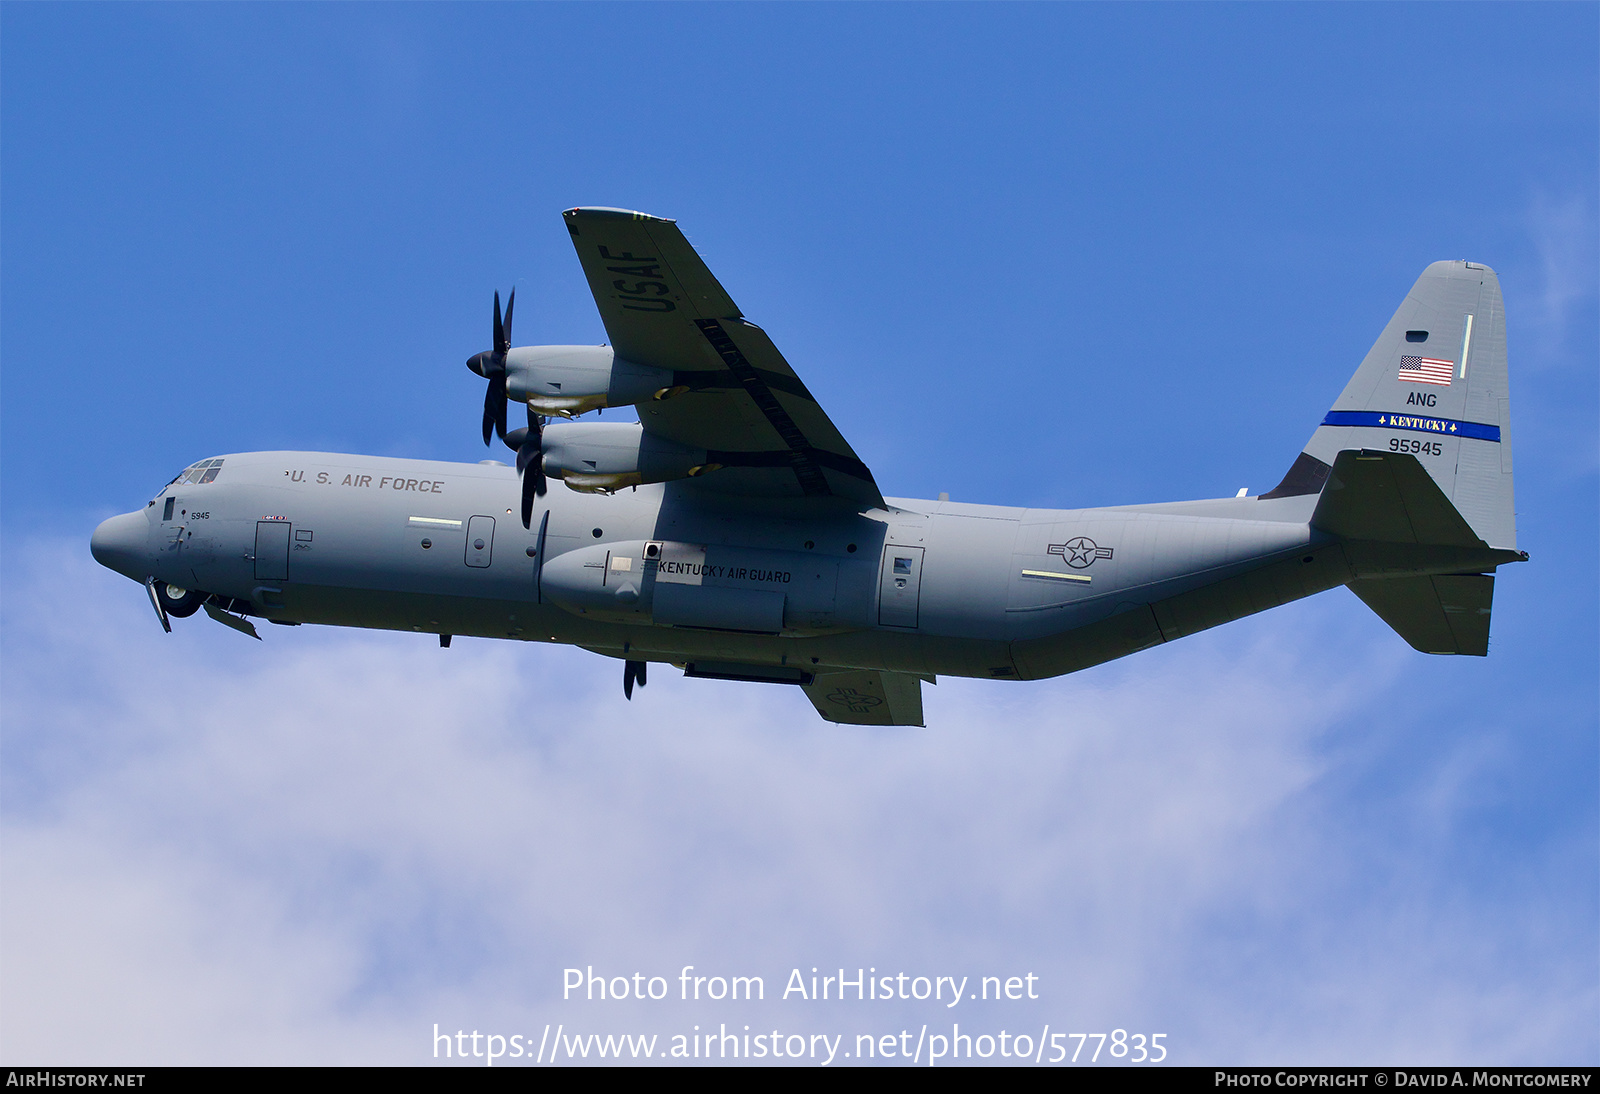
pixel 528 443
pixel 491 365
pixel 631 671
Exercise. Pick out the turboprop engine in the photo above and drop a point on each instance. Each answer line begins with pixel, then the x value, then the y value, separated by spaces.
pixel 559 381
pixel 566 381
pixel 599 457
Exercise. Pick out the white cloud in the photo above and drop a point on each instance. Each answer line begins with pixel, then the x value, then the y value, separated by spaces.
pixel 313 848
pixel 1563 232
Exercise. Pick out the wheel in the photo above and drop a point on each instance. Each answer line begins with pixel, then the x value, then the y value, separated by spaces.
pixel 179 603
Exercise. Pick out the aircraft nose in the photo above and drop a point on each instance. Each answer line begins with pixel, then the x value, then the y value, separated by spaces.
pixel 121 543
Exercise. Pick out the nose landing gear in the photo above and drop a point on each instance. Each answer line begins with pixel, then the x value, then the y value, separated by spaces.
pixel 169 600
pixel 176 602
pixel 172 600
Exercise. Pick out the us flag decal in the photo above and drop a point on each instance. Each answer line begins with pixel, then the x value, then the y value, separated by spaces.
pixel 1426 370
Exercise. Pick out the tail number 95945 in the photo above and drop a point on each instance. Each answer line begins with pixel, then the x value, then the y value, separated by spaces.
pixel 1416 448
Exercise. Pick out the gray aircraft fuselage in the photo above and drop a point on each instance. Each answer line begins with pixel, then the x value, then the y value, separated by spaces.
pixel 733 531
pixel 927 587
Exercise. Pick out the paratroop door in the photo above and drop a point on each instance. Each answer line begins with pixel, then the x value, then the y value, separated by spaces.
pixel 272 550
pixel 899 586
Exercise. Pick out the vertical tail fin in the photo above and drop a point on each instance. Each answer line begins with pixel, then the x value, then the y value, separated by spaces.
pixel 1433 386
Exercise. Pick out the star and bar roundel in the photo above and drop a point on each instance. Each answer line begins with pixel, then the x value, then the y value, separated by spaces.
pixel 1080 552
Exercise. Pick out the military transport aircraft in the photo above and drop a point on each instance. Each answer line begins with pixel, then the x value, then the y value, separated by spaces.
pixel 733 532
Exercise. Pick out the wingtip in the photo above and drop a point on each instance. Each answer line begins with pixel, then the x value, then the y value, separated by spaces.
pixel 604 211
pixel 1458 267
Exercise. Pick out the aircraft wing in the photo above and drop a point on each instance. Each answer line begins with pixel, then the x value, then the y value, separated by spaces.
pixel 740 400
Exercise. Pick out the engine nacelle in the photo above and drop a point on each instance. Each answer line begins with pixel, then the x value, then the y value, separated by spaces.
pixel 599 457
pixel 565 381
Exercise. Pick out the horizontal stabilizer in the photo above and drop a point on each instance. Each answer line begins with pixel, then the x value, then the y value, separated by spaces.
pixel 1442 614
pixel 868 698
pixel 1388 497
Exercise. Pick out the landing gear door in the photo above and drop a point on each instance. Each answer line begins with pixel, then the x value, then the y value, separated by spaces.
pixel 480 541
pixel 272 550
pixel 899 586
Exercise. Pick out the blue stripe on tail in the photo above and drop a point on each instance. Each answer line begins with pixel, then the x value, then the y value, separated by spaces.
pixel 1382 419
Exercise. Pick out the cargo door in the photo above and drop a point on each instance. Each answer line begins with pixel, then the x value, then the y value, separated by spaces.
pixel 899 586
pixel 272 550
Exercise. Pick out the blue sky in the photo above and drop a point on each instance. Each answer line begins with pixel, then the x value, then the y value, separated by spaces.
pixel 1033 255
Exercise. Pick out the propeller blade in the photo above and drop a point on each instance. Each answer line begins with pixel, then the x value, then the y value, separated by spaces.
pixel 536 436
pixel 491 364
pixel 494 408
pixel 631 671
pixel 530 453
pixel 530 483
pixel 530 443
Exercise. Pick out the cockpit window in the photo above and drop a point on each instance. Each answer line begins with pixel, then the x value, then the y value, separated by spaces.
pixel 203 472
